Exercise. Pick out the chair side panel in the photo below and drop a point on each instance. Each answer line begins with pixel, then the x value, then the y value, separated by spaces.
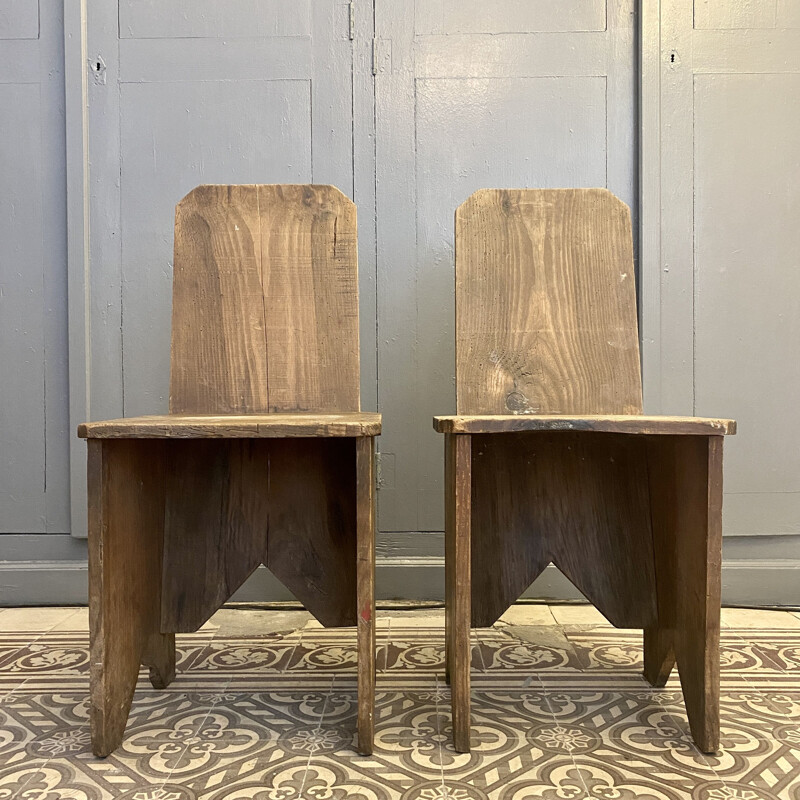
pixel 546 304
pixel 265 301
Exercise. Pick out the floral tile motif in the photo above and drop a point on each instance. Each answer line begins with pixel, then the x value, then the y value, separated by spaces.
pixel 273 717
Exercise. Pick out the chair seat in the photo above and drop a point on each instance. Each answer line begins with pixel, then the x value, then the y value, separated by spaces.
pixel 509 423
pixel 246 426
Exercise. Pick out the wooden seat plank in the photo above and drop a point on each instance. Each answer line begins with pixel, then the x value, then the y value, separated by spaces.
pixel 618 423
pixel 246 426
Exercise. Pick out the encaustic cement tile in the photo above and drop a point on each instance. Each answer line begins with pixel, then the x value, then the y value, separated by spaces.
pixel 274 718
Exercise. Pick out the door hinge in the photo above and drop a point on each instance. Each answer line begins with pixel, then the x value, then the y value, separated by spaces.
pixel 352 17
pixel 381 56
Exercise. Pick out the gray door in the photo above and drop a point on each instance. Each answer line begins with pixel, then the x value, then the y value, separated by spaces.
pixel 722 308
pixel 34 437
pixel 184 92
pixel 473 94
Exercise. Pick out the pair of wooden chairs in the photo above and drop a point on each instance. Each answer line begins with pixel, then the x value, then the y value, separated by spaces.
pixel 265 456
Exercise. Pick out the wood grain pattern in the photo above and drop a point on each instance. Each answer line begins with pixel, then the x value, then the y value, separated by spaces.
pixel 365 589
pixel 232 505
pixel 575 499
pixel 264 458
pixel 458 513
pixel 311 544
pixel 249 426
pixel 219 343
pixel 686 495
pixel 126 524
pixel 265 301
pixel 565 468
pixel 620 423
pixel 310 274
pixel 216 522
pixel 556 267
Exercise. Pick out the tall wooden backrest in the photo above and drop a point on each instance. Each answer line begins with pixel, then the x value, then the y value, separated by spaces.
pixel 265 301
pixel 546 304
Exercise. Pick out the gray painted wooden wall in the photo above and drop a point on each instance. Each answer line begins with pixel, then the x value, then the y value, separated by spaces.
pixel 34 443
pixel 688 111
pixel 721 285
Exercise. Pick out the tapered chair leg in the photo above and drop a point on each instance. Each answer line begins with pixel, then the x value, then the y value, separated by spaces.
pixel 659 655
pixel 458 502
pixel 159 656
pixel 126 525
pixel 365 577
pixel 686 494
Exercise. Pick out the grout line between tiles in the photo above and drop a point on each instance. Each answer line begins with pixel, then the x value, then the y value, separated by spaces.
pixel 437 704
pixel 318 730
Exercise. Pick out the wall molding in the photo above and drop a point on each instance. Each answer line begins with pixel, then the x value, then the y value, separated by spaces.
pixel 768 582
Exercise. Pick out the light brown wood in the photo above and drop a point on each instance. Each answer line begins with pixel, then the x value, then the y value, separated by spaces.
pixel 545 304
pixel 621 423
pixel 265 301
pixel 686 493
pixel 365 569
pixel 249 426
pixel 458 504
pixel 126 524
pixel 565 468
pixel 264 458
pixel 219 344
pixel 310 273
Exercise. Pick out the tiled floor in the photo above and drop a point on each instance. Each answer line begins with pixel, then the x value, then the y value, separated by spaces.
pixel 264 708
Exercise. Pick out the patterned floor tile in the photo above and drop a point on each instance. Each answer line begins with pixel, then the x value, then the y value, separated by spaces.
pixel 559 712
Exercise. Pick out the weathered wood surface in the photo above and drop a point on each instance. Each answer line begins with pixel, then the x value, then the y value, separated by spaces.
pixel 232 505
pixel 246 426
pixel 264 458
pixel 458 505
pixel 265 301
pixel 216 522
pixel 620 423
pixel 126 524
pixel 311 544
pixel 547 354
pixel 546 304
pixel 365 590
pixel 576 499
pixel 685 476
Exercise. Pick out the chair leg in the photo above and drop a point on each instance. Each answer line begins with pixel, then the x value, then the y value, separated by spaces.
pixel 159 656
pixel 365 579
pixel 458 500
pixel 659 655
pixel 126 525
pixel 686 489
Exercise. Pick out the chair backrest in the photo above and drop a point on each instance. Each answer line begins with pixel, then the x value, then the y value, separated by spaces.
pixel 265 301
pixel 546 304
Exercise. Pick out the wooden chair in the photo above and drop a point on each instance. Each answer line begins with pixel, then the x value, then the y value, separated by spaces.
pixel 549 458
pixel 264 457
